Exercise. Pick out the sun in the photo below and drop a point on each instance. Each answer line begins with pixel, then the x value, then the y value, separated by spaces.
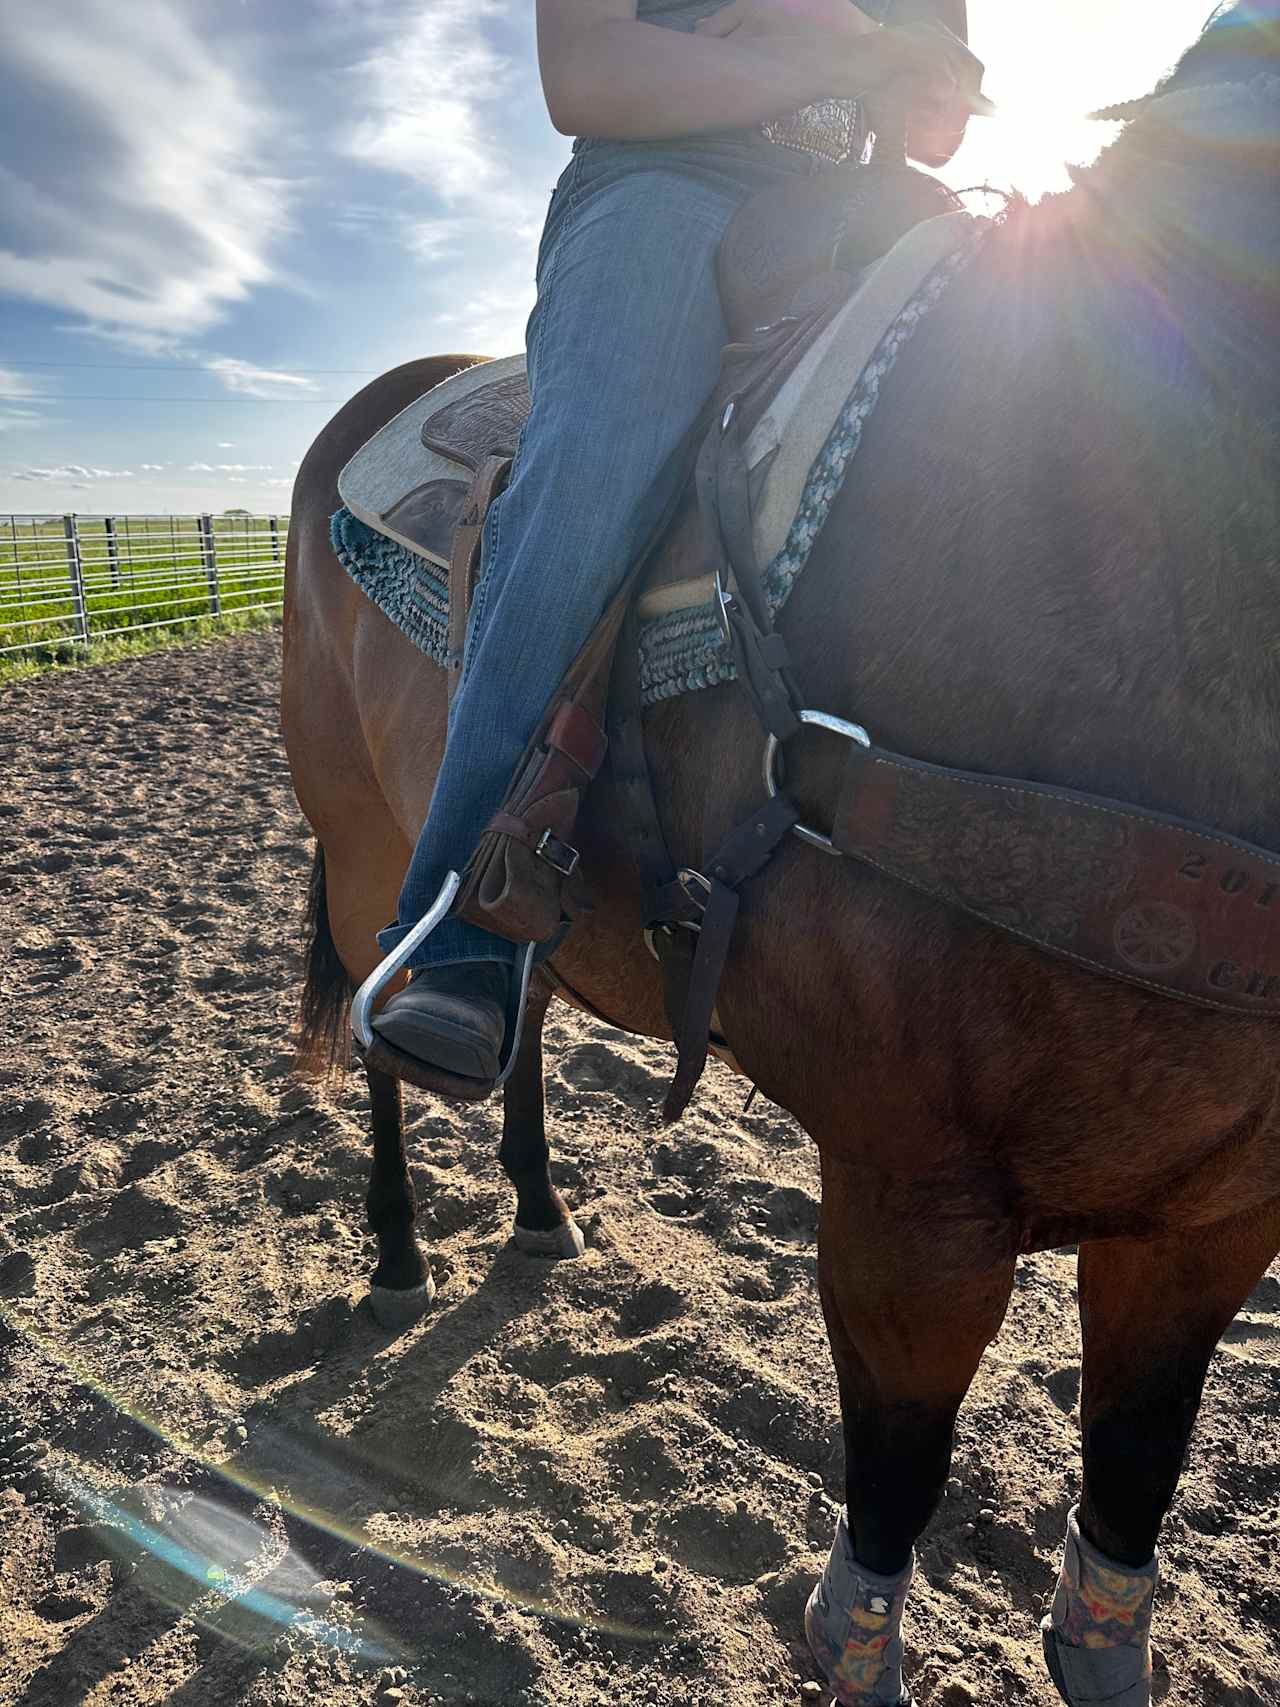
pixel 1047 67
pixel 1027 146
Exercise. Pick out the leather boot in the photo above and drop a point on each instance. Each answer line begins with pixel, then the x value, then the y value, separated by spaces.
pixel 452 1017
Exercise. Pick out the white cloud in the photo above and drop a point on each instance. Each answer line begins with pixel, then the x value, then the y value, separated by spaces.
pixel 224 446
pixel 438 97
pixel 433 239
pixel 72 471
pixel 15 420
pixel 152 467
pixel 490 319
pixel 228 467
pixel 147 210
pixel 426 87
pixel 15 386
pixel 247 380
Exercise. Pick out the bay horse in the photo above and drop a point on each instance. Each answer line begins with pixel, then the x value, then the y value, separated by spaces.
pixel 1055 557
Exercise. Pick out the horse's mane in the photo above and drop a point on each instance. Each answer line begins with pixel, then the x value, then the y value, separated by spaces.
pixel 1240 41
pixel 1097 400
pixel 1180 209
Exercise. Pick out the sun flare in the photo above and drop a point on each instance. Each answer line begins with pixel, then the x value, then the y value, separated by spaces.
pixel 1047 68
pixel 1028 145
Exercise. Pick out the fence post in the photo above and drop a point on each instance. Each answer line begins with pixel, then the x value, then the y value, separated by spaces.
pixel 274 524
pixel 75 570
pixel 210 553
pixel 113 551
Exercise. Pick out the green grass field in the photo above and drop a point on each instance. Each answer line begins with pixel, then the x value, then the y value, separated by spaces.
pixel 146 582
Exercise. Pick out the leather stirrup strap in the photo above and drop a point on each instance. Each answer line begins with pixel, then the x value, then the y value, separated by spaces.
pixel 629 766
pixel 724 503
pixel 464 558
pixel 628 762
pixel 745 851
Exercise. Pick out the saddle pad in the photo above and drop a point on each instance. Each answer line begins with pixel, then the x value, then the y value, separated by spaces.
pixel 798 455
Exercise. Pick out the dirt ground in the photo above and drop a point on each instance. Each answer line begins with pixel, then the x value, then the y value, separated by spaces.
pixel 603 1481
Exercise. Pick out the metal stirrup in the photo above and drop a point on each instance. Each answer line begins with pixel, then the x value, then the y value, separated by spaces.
pixel 386 969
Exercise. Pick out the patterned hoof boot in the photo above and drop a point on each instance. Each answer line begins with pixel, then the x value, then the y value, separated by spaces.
pixel 853 1623
pixel 451 1018
pixel 1097 1635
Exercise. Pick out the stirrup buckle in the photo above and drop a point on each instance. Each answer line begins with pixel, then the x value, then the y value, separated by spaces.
pixel 558 855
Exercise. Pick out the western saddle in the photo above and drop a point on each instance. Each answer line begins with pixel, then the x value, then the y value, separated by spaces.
pixel 787 265
pixel 790 257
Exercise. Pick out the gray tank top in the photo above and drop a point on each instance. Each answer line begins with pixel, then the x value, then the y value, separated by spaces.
pixel 684 14
pixel 676 14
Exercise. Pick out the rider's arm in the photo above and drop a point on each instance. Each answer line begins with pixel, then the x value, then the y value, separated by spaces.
pixel 607 73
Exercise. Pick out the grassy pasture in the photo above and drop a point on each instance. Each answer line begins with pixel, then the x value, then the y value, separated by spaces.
pixel 146 579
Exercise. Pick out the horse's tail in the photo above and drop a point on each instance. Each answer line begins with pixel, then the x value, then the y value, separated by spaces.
pixel 322 1043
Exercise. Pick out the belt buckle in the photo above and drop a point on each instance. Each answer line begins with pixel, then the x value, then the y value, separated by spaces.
pixel 558 855
pixel 825 130
pixel 692 882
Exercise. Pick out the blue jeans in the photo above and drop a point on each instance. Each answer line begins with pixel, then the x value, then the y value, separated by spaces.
pixel 623 348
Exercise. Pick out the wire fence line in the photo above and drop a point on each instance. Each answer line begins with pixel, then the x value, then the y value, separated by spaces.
pixel 70 582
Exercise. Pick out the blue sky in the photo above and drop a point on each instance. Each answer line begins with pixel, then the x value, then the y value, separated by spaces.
pixel 218 218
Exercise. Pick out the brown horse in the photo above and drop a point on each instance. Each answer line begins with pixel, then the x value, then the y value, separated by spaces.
pixel 1056 558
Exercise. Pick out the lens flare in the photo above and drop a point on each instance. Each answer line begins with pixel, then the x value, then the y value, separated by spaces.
pixel 207 1559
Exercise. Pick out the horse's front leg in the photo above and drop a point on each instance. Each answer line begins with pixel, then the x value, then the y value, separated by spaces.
pixel 907 1330
pixel 1151 1313
pixel 402 1286
pixel 544 1224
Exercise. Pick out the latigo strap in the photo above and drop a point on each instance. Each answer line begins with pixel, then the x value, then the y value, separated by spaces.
pixel 464 559
pixel 1138 895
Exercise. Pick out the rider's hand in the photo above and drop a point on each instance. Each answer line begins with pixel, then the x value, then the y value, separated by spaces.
pixel 923 65
pixel 929 68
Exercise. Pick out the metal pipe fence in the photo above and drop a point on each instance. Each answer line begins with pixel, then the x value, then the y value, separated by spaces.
pixel 70 581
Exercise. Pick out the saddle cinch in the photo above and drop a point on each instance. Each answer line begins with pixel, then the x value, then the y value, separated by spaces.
pixel 787 268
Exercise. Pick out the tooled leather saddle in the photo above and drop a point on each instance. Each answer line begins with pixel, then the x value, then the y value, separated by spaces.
pixel 790 255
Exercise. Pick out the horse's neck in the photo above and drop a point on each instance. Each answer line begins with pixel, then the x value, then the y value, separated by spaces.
pixel 1082 586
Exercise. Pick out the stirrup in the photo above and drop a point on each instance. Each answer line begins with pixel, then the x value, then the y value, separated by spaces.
pixel 385 1057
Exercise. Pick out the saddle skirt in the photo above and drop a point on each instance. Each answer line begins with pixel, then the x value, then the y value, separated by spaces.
pixel 412 480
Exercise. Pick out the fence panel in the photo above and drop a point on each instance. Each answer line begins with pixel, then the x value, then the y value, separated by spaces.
pixel 69 582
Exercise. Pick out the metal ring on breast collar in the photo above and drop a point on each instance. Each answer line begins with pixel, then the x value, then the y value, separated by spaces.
pixel 819 720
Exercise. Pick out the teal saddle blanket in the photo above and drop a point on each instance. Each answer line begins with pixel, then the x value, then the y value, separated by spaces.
pixel 681 650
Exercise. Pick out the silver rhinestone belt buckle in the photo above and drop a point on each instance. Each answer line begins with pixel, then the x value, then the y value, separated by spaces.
pixel 825 129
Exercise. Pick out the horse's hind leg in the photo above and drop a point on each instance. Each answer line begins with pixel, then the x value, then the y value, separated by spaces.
pixel 544 1223
pixel 1151 1313
pixel 907 1332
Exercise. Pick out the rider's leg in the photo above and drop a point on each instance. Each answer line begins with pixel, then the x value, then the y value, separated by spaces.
pixel 623 347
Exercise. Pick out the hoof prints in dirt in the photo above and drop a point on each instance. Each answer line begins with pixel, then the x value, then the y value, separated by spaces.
pixel 610 1479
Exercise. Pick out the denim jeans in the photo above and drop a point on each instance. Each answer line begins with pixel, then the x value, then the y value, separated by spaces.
pixel 623 348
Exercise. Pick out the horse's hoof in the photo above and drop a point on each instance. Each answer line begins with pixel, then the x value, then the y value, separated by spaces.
pixel 401 1309
pixel 566 1240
